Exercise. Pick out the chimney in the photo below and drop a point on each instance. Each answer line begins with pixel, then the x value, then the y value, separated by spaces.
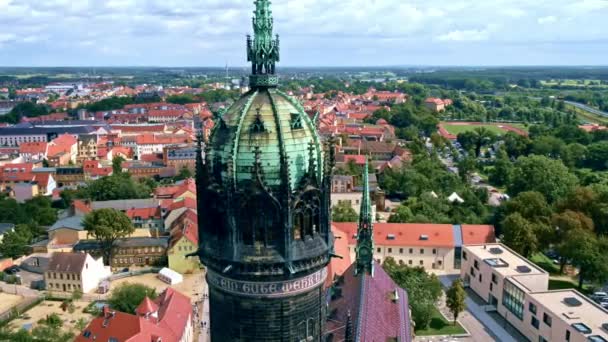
pixel 106 311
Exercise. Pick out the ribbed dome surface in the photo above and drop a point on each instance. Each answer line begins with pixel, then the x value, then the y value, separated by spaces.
pixel 268 120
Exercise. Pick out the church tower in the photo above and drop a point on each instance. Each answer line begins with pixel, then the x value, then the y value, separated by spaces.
pixel 263 191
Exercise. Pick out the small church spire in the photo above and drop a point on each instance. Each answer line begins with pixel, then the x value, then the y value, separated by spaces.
pixel 365 231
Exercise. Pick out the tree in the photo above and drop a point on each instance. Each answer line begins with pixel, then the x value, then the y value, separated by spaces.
pixel 503 169
pixel 455 297
pixel 117 165
pixel 401 214
pixel 597 156
pixel 588 253
pixel 184 173
pixel 547 176
pixel 344 212
pixel 466 166
pixel 40 210
pixel 520 235
pixel 424 289
pixel 16 243
pixel 127 296
pixel 107 225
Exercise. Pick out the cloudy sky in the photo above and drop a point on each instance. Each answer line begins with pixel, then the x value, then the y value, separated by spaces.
pixel 313 32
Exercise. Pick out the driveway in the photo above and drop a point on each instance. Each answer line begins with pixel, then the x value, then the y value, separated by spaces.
pixel 477 321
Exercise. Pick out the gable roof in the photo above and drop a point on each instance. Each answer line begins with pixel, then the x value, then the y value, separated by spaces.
pixel 374 313
pixel 404 234
pixel 72 222
pixel 67 262
pixel 174 312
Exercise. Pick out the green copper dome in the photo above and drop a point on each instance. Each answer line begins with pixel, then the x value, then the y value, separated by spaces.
pixel 271 125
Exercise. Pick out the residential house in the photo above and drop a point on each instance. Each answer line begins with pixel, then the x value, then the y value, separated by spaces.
pixel 183 242
pixel 63 235
pixel 87 147
pixel 62 150
pixel 33 151
pixel 147 218
pixel 131 252
pixel 437 105
pixel 155 143
pixel 68 272
pixel 168 318
pixel 183 189
pixel 436 247
pixel 179 157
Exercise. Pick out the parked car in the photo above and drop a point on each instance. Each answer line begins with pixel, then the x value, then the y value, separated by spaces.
pixel 12 270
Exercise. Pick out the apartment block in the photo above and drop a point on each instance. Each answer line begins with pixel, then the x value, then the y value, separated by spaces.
pixel 518 290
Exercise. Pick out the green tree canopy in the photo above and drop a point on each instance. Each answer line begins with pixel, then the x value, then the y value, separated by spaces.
pixel 520 235
pixel 424 289
pixel 538 173
pixel 455 297
pixel 127 296
pixel 344 212
pixel 107 225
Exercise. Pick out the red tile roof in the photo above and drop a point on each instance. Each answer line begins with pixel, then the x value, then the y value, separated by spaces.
pixel 144 213
pixel 374 314
pixel 162 139
pixel 33 147
pixel 147 306
pixel 174 313
pixel 359 159
pixel 405 234
pixel 21 172
pixel 477 234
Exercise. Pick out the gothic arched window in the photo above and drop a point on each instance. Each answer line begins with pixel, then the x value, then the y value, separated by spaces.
pixel 259 222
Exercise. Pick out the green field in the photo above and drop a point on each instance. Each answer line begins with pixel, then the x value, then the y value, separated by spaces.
pixel 574 83
pixel 441 326
pixel 457 129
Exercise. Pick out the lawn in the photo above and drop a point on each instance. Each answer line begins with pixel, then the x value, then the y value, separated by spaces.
pixel 545 263
pixel 568 283
pixel 457 129
pixel 440 326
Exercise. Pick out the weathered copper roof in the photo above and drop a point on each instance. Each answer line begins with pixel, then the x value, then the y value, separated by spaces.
pixel 276 124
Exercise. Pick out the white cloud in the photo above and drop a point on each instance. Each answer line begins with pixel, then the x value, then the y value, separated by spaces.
pixel 547 20
pixel 464 35
pixel 211 32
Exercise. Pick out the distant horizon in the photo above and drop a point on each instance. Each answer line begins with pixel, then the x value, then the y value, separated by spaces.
pixel 419 66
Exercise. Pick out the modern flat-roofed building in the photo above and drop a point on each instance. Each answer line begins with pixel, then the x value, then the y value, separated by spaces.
pixel 518 290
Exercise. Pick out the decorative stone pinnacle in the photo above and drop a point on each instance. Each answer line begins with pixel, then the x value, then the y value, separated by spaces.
pixel 263 50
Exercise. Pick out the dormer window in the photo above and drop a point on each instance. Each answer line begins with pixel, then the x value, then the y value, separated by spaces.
pixel 258 125
pixel 296 121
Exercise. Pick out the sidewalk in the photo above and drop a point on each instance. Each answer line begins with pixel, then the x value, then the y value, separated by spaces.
pixel 476 310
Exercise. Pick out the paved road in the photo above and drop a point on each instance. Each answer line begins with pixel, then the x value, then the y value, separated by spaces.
pixel 587 108
pixel 202 304
pixel 479 323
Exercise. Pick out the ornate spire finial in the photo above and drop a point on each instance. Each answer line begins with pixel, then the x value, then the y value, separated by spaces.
pixel 365 231
pixel 263 49
pixel 311 160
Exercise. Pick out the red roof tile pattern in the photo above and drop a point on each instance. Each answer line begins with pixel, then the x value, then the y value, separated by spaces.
pixel 375 314
pixel 405 234
pixel 477 234
pixel 174 312
pixel 33 147
pixel 144 213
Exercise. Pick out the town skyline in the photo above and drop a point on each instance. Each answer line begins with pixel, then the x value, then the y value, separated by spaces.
pixel 354 33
